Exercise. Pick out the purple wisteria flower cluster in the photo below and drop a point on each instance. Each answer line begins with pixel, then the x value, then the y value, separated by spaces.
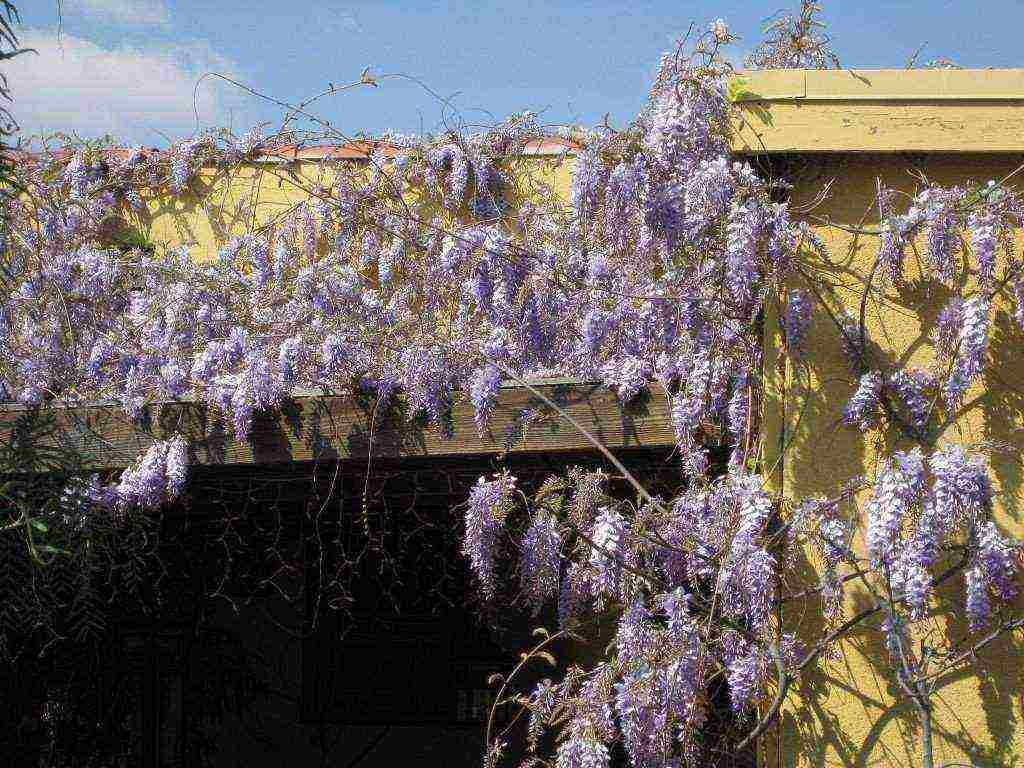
pixel 350 292
pixel 489 503
pixel 305 304
pixel 962 233
pixel 158 478
pixel 657 565
pixel 920 506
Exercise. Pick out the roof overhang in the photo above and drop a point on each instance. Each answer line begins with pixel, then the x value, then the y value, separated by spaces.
pixel 880 110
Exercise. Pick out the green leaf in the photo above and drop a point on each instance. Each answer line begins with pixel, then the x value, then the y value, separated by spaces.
pixel 39 525
pixel 737 91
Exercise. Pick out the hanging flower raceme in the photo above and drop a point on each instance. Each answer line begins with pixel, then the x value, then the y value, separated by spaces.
pixel 984 228
pixel 747 574
pixel 949 495
pixel 862 409
pixel 745 672
pixel 158 478
pixel 540 559
pixel 489 503
pixel 898 490
pixel 609 551
pixel 797 322
pixel 972 343
pixel 484 395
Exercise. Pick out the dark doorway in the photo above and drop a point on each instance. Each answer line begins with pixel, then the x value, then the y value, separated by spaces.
pixel 298 615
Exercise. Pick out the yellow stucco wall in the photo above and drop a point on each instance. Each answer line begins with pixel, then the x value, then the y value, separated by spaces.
pixel 222 203
pixel 858 126
pixel 843 715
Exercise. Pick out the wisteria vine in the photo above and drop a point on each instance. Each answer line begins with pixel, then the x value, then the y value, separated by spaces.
pixel 424 272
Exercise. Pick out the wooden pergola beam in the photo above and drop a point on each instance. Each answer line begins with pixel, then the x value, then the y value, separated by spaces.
pixel 327 427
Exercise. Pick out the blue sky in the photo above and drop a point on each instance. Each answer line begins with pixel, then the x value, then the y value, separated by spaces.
pixel 130 67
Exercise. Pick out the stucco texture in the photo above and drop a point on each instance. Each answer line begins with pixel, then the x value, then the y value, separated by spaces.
pixel 849 713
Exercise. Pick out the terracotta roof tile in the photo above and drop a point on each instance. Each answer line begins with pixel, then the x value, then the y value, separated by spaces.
pixel 360 150
pixel 356 150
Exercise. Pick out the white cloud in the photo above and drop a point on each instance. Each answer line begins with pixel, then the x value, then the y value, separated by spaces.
pixel 126 12
pixel 75 85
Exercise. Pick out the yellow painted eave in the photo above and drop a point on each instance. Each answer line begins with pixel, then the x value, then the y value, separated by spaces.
pixel 881 110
